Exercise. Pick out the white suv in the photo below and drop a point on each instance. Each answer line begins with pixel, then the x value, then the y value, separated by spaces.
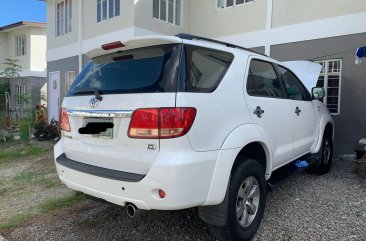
pixel 177 122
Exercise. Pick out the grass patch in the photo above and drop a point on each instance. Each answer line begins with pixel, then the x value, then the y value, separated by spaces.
pixel 34 177
pixel 63 202
pixel 48 183
pixel 50 205
pixel 28 176
pixel 3 190
pixel 11 143
pixel 22 152
pixel 17 220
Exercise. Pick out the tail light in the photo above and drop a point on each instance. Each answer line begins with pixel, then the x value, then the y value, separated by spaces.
pixel 161 123
pixel 64 121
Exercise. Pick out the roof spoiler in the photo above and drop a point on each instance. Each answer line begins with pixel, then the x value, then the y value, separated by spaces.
pixel 132 43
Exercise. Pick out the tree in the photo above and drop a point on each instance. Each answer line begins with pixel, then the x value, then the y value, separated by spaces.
pixel 11 69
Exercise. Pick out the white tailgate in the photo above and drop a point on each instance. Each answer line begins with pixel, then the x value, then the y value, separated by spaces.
pixel 119 152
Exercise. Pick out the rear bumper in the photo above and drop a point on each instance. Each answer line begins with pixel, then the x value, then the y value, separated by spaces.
pixel 98 171
pixel 184 177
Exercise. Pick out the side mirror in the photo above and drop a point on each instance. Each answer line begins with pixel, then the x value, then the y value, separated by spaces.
pixel 318 93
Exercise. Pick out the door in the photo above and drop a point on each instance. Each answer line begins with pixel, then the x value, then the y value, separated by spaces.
pixel 270 109
pixel 54 95
pixel 304 112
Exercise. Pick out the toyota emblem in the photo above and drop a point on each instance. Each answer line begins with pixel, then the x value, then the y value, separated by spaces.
pixel 94 102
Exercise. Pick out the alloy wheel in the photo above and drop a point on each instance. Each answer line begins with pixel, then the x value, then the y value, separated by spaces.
pixel 247 201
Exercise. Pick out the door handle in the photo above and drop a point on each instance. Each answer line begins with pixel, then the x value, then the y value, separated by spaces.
pixel 297 111
pixel 258 112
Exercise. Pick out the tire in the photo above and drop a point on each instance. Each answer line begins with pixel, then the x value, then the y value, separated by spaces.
pixel 246 201
pixel 326 155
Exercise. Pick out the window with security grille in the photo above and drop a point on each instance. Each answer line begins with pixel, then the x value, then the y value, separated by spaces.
pixel 20 45
pixel 168 10
pixel 20 97
pixel 330 80
pixel 231 3
pixel 63 17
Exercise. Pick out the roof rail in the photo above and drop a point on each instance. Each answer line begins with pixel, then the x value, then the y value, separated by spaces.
pixel 192 37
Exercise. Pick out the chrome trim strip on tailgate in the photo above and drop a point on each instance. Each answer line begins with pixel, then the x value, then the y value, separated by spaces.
pixel 98 171
pixel 101 113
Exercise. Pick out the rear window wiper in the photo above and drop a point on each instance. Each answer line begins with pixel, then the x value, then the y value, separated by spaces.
pixel 95 91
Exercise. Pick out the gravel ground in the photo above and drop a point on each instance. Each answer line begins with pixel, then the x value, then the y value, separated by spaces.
pixel 307 207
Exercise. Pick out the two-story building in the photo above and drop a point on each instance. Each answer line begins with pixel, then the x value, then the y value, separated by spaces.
pixel 25 42
pixel 326 31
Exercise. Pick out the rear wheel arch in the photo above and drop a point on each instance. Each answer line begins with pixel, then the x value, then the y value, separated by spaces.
pixel 225 219
pixel 257 151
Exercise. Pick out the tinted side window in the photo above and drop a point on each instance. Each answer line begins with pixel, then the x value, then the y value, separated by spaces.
pixel 263 81
pixel 205 68
pixel 293 86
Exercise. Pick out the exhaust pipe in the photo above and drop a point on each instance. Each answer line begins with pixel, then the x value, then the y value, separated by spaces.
pixel 132 210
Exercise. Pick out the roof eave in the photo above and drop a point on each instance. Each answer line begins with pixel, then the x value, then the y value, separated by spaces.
pixel 23 24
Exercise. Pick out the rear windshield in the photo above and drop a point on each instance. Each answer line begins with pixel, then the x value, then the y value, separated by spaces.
pixel 144 70
pixel 153 70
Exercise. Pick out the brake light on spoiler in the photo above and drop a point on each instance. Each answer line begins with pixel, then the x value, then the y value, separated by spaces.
pixel 161 123
pixel 114 45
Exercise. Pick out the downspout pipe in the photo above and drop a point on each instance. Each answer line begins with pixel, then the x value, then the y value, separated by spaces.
pixel 80 39
pixel 267 47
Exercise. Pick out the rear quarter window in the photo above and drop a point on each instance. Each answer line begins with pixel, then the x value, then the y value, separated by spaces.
pixel 204 68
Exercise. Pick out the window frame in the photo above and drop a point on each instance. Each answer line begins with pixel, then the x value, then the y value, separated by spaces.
pixel 308 94
pixel 325 73
pixel 167 12
pixel 274 66
pixel 224 5
pixel 63 21
pixel 21 45
pixel 108 17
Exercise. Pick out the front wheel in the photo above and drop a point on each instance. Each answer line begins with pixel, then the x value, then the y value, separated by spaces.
pixel 246 201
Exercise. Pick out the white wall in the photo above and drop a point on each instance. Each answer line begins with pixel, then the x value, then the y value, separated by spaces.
pixel 288 12
pixel 92 28
pixel 38 41
pixel 24 60
pixel 33 62
pixel 207 20
pixel 144 19
pixel 244 24
pixel 54 41
pixel 3 47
